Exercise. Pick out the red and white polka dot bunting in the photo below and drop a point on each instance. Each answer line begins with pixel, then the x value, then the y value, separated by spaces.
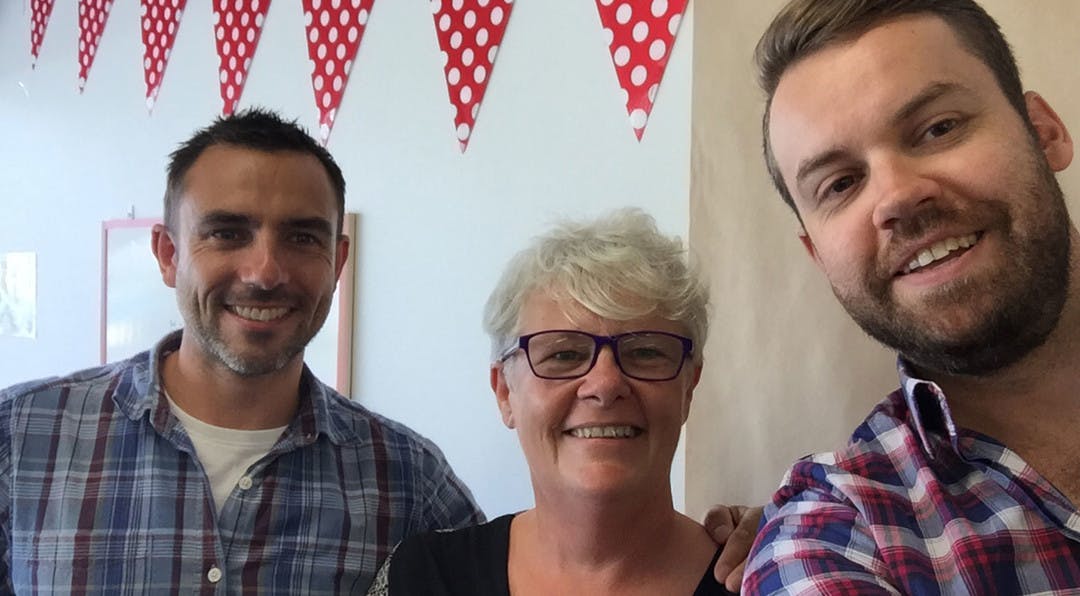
pixel 92 17
pixel 39 19
pixel 640 34
pixel 469 33
pixel 334 31
pixel 237 26
pixel 160 20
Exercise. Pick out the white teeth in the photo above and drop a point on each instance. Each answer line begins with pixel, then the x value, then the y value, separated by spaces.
pixel 259 314
pixel 605 432
pixel 940 250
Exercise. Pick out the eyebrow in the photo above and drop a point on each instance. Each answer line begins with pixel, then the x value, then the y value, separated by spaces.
pixel 928 95
pixel 312 224
pixel 227 218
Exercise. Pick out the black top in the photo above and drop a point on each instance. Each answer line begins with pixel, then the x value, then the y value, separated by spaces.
pixel 473 561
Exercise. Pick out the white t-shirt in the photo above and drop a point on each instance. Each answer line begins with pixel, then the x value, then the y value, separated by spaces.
pixel 225 453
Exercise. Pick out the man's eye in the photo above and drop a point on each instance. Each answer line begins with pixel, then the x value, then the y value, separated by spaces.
pixel 941 128
pixel 841 185
pixel 226 235
pixel 305 238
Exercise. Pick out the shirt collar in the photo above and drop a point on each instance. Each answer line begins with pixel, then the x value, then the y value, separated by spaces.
pixel 147 396
pixel 930 414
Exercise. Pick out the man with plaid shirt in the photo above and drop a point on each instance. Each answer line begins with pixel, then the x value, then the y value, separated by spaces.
pixel 924 179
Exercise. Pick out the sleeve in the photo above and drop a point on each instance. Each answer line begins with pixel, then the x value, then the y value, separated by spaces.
pixel 814 541
pixel 5 493
pixel 448 503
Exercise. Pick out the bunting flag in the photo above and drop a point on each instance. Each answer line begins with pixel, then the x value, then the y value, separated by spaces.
pixel 39 19
pixel 334 30
pixel 469 33
pixel 92 16
pixel 237 26
pixel 640 35
pixel 160 19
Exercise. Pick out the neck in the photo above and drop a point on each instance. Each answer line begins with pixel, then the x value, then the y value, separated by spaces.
pixel 216 395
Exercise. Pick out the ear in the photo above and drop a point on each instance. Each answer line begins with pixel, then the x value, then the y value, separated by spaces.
pixel 1053 137
pixel 502 393
pixel 808 244
pixel 689 396
pixel 164 249
pixel 342 255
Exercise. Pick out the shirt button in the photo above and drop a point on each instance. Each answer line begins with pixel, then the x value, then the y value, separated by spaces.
pixel 214 575
pixel 245 483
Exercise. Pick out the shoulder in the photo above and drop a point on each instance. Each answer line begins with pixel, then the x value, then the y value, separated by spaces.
pixel 353 422
pixel 466 560
pixel 51 393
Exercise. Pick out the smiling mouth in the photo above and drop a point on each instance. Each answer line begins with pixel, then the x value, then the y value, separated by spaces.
pixel 259 314
pixel 940 251
pixel 605 432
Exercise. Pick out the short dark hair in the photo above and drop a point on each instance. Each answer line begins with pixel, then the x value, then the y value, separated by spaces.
pixel 807 26
pixel 253 128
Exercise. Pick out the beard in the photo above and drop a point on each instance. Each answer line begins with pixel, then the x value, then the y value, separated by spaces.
pixel 1008 315
pixel 250 363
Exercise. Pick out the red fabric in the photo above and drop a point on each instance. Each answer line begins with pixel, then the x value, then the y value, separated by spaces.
pixel 39 19
pixel 160 20
pixel 469 33
pixel 237 26
pixel 92 17
pixel 334 31
pixel 640 34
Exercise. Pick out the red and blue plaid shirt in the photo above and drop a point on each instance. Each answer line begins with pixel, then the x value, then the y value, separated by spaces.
pixel 915 505
pixel 101 493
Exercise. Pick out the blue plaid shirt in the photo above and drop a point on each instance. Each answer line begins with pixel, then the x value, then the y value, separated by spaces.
pixel 101 493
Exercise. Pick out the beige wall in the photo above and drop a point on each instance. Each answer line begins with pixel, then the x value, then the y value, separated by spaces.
pixel 787 373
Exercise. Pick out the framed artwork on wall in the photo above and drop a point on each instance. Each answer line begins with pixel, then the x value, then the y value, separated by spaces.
pixel 138 309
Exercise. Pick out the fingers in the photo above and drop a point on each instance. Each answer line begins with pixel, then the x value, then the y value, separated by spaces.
pixel 733 583
pixel 738 540
pixel 721 520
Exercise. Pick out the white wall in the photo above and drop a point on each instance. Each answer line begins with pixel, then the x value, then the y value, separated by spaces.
pixel 435 226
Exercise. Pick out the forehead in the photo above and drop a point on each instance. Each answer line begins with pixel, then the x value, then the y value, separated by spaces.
pixel 541 311
pixel 840 95
pixel 260 184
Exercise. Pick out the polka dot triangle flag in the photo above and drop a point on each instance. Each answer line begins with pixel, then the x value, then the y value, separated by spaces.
pixel 469 33
pixel 39 18
pixel 160 19
pixel 237 26
pixel 334 30
pixel 92 16
pixel 640 34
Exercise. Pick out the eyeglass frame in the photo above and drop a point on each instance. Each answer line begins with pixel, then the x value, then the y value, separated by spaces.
pixel 599 341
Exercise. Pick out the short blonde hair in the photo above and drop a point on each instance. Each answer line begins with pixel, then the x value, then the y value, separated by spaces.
pixel 619 266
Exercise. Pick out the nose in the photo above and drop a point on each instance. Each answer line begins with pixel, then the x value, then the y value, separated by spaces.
pixel 263 266
pixel 902 188
pixel 606 381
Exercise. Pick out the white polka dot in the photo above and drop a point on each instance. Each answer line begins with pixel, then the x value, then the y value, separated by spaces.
pixel 220 33
pixel 228 18
pixel 484 2
pixel 153 78
pixel 462 131
pixel 467 57
pixel 641 31
pixel 445 59
pixel 638 118
pixel 236 34
pixel 623 14
pixel 146 62
pixel 241 49
pixel 481 37
pixel 316 4
pixel 354 33
pixel 652 92
pixel 308 19
pixel 333 35
pixel 657 49
pixel 606 2
pixel 318 82
pixel 348 66
pixel 245 19
pixel 340 51
pixel 336 4
pixel 621 55
pixel 229 92
pixel 146 22
pixel 254 5
pixel 247 63
pixel 453 76
pixel 238 77
pixel 327 99
pixel 609 37
pixel 330 66
pixel 673 24
pixel 436 6
pixel 458 4
pixel 444 22
pixel 496 15
pixel 492 51
pixel 637 76
pixel 324 130
pixel 313 35
pixel 343 18
pixel 251 35
pixel 321 51
pixel 324 18
pixel 466 94
pixel 475 110
pixel 470 19
pixel 363 16
pixel 226 48
pixel 259 20
pixel 659 8
pixel 455 39
pixel 338 83
pixel 479 74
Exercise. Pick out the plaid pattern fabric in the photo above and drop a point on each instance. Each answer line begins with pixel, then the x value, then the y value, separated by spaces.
pixel 915 505
pixel 101 493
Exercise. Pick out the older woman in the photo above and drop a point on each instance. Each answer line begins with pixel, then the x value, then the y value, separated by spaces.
pixel 596 333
